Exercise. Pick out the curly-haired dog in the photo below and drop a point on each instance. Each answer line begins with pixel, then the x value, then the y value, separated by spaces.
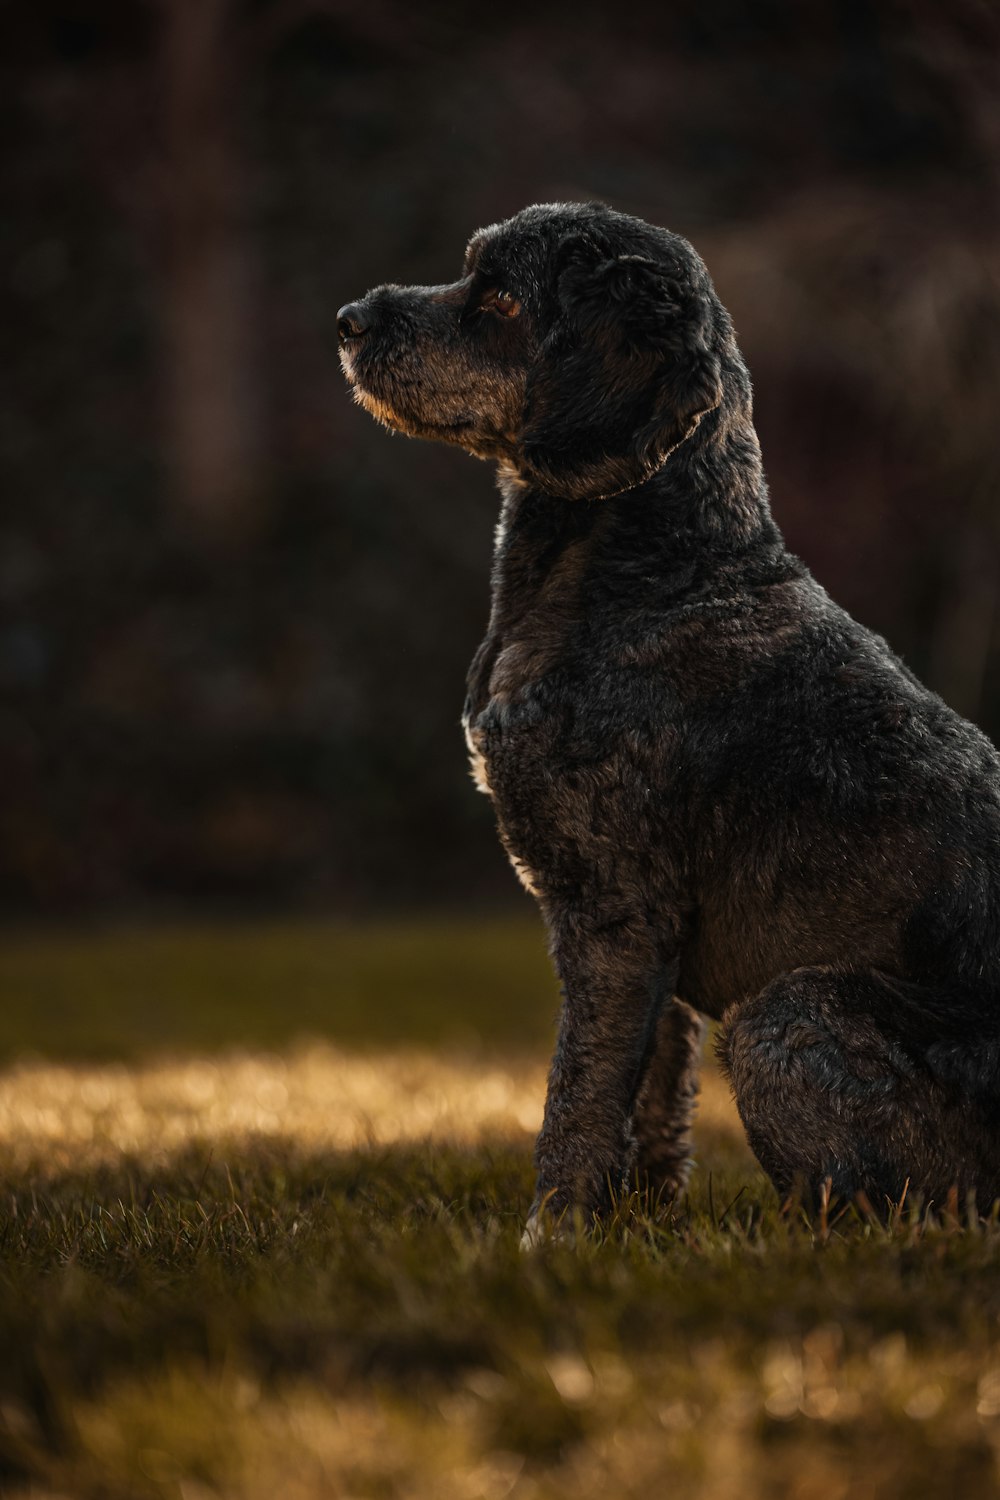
pixel 729 798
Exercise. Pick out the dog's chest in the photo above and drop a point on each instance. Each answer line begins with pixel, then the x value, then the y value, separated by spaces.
pixel 508 715
pixel 476 742
pixel 527 673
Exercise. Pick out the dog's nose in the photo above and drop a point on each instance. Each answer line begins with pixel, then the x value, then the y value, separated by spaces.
pixel 352 322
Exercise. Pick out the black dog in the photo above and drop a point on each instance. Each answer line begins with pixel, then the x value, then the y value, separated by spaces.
pixel 718 785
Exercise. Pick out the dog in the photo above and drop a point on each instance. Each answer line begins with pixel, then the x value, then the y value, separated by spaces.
pixel 730 799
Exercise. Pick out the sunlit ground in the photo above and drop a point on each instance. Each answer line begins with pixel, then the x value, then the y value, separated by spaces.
pixel 322 1098
pixel 252 1245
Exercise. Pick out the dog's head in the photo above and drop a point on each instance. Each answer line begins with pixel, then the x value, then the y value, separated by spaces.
pixel 580 346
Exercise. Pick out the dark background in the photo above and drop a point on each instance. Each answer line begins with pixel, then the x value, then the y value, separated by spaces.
pixel 235 616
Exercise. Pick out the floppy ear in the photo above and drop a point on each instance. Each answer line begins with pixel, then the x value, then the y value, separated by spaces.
pixel 623 378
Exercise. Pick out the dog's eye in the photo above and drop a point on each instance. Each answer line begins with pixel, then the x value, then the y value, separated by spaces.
pixel 495 299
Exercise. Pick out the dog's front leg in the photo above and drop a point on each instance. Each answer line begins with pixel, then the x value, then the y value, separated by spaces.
pixel 614 980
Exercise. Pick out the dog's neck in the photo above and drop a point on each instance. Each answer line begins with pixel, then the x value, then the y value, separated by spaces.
pixel 703 513
pixel 711 490
pixel 697 530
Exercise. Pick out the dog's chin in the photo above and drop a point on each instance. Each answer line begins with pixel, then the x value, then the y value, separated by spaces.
pixel 376 407
pixel 461 431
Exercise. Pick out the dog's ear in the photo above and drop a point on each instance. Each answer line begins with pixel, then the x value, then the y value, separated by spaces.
pixel 625 375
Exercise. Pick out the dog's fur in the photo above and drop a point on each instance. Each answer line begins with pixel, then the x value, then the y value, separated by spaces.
pixel 729 798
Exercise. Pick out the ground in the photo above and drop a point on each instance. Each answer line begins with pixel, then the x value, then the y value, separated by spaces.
pixel 261 1195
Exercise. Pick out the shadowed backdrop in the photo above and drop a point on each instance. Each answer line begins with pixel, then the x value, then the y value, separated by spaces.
pixel 235 616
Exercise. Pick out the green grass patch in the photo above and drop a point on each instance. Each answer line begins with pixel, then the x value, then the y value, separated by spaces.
pixel 125 994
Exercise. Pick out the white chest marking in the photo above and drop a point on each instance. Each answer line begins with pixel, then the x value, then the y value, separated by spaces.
pixel 524 875
pixel 477 762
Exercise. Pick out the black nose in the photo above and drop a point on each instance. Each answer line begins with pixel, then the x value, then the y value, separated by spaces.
pixel 352 322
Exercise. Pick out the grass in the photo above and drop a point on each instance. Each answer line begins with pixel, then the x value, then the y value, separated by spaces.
pixel 123 994
pixel 259 1236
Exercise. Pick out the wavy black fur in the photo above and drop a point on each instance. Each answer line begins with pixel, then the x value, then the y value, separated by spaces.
pixel 719 785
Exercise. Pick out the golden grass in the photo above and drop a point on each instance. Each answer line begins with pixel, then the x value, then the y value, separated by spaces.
pixel 323 1097
pixel 625 1428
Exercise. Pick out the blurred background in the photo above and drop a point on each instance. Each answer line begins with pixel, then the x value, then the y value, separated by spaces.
pixel 235 616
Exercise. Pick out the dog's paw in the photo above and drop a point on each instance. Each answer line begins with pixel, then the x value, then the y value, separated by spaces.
pixel 547 1228
pixel 537 1231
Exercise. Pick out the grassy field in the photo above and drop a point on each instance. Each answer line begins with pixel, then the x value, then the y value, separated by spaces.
pixel 261 1192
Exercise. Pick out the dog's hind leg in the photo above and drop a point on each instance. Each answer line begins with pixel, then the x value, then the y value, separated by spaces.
pixel 838 1079
pixel 666 1101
